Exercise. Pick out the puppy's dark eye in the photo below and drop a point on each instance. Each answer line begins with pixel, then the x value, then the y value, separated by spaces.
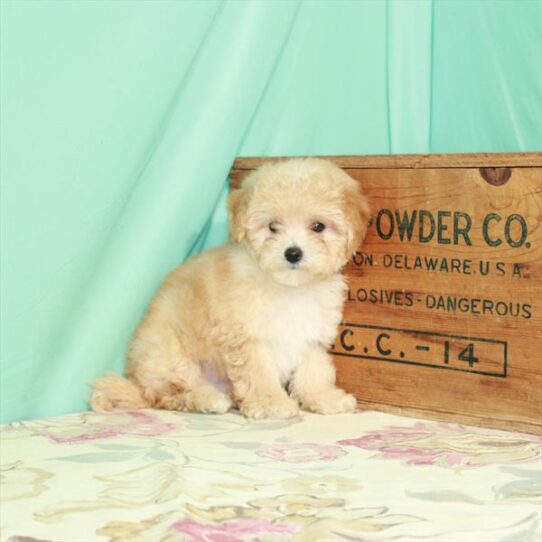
pixel 318 227
pixel 273 227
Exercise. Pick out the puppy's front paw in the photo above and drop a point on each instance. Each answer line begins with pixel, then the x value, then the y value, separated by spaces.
pixel 332 401
pixel 269 407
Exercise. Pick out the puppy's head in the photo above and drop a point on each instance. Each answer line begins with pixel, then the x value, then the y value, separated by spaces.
pixel 301 219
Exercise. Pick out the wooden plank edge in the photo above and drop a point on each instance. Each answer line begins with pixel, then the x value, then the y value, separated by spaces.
pixel 412 161
pixel 476 421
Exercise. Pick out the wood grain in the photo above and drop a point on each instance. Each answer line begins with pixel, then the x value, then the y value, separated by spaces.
pixel 444 311
pixel 414 161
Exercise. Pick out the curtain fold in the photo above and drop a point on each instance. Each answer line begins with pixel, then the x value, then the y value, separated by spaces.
pixel 120 121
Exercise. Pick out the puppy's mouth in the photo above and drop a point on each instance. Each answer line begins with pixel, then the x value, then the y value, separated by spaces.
pixel 294 266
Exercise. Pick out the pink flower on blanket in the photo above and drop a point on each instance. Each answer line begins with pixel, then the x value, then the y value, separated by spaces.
pixel 449 445
pixel 235 530
pixel 90 427
pixel 300 453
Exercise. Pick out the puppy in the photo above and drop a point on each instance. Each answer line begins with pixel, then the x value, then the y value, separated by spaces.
pixel 241 324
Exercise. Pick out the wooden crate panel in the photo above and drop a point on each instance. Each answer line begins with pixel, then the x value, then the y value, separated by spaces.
pixel 444 309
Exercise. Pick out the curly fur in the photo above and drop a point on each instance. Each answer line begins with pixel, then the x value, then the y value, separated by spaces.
pixel 239 325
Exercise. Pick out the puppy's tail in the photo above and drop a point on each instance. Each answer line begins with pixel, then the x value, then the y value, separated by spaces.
pixel 113 392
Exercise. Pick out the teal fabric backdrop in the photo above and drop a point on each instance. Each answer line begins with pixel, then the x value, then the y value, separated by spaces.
pixel 120 120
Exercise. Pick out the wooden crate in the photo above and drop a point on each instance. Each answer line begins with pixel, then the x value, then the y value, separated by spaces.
pixel 444 311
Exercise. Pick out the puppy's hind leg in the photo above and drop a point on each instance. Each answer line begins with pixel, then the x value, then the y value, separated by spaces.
pixel 198 396
pixel 169 377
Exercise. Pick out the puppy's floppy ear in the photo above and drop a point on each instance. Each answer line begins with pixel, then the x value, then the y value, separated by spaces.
pixel 238 201
pixel 358 215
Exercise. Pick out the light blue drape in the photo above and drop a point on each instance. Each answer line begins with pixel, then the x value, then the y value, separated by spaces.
pixel 120 121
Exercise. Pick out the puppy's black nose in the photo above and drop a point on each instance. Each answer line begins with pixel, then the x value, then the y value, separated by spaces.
pixel 293 254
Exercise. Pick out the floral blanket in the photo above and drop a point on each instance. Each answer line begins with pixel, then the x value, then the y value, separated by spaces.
pixel 161 476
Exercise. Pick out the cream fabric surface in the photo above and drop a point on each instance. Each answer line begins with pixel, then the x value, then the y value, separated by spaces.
pixel 161 476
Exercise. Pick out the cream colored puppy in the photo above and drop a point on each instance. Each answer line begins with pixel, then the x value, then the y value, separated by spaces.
pixel 241 324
